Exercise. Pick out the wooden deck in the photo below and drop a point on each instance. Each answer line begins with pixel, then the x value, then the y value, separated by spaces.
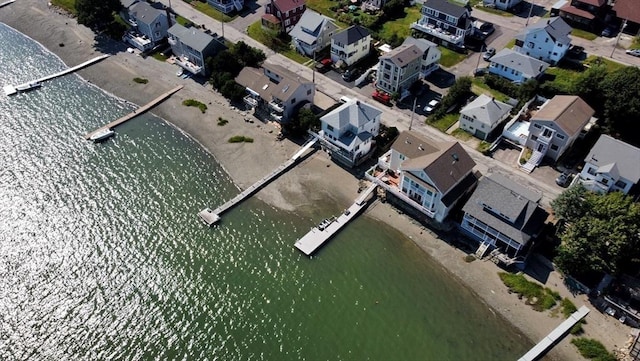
pixel 551 339
pixel 211 217
pixel 136 112
pixel 317 237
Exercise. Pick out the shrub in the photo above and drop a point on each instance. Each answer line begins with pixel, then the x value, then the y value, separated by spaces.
pixel 484 147
pixel 195 103
pixel 222 121
pixel 577 328
pixel 568 308
pixel 469 258
pixel 540 298
pixel 240 139
pixel 140 80
pixel 592 349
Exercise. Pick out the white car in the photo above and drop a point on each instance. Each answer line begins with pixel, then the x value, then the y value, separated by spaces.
pixel 635 52
pixel 432 106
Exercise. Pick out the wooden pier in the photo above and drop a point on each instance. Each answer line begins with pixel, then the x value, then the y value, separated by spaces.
pixel 6 3
pixel 551 339
pixel 136 112
pixel 323 232
pixel 11 89
pixel 211 217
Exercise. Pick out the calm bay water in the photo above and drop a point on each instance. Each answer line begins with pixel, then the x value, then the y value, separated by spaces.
pixel 102 255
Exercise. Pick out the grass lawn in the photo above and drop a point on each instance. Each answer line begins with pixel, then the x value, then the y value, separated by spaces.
pixel 636 43
pixel 401 27
pixel 182 20
pixel 506 14
pixel 583 34
pixel 449 57
pixel 462 134
pixel 322 6
pixel 563 77
pixel 511 44
pixel 258 33
pixel 295 56
pixel 158 56
pixel 445 122
pixel 69 5
pixel 610 64
pixel 478 87
pixel 211 12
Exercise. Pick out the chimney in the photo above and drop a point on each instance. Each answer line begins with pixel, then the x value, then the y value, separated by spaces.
pixel 420 147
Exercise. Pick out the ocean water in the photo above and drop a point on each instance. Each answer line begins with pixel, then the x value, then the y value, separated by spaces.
pixel 102 255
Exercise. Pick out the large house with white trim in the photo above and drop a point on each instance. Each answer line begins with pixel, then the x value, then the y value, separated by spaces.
pixel 312 33
pixel 516 67
pixel 547 40
pixel 350 45
pixel 430 55
pixel 283 15
pixel 149 25
pixel 192 47
pixel 611 165
pixel 444 22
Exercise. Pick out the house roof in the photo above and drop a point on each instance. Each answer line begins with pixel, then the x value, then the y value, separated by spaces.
pixel 596 3
pixel 403 55
pixel 556 27
pixel 353 112
pixel 143 12
pixel 569 112
pixel 423 44
pixel 627 9
pixel 577 12
pixel 609 152
pixel 257 81
pixel 127 3
pixel 310 25
pixel 508 198
pixel 351 35
pixel 446 7
pixel 192 37
pixel 523 63
pixel 445 163
pixel 287 5
pixel 271 18
pixel 486 109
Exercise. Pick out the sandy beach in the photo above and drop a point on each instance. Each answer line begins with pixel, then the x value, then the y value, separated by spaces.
pixel 316 181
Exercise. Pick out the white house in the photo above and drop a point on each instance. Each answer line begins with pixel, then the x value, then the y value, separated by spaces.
pixel 149 25
pixel 516 67
pixel 226 6
pixel 350 45
pixel 547 40
pixel 312 33
pixel 611 165
pixel 348 131
pixel 483 115
pixel 430 55
pixel 192 47
pixel 444 22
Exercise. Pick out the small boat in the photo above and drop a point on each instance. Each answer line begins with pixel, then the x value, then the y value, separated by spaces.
pixel 102 135
pixel 28 86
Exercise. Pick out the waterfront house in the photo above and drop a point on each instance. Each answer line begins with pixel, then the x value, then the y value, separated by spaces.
pixel 515 66
pixel 547 40
pixel 611 165
pixel 347 132
pixel 556 126
pixel 483 115
pixel 444 22
pixel 430 55
pixel 283 15
pixel 501 4
pixel 148 25
pixel 226 6
pixel 312 33
pixel 350 45
pixel 191 47
pixel 399 69
pixel 275 93
pixel 628 12
pixel 588 14
pixel 503 215
pixel 429 177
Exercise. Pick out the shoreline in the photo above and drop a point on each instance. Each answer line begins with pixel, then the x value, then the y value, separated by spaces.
pixel 300 189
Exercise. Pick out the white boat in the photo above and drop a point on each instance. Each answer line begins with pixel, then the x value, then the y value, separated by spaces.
pixel 101 135
pixel 28 86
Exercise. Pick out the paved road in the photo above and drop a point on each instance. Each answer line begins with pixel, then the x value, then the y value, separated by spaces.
pixel 506 28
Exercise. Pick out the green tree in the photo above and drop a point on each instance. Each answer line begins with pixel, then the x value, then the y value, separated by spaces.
pixel 96 13
pixel 603 237
pixel 622 103
pixel 395 9
pixel 247 55
pixel 588 86
pixel 302 121
pixel 571 203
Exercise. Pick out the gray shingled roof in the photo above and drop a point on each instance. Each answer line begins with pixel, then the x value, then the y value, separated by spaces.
pixel 609 153
pixel 556 27
pixel 144 12
pixel 423 44
pixel 351 35
pixel 527 65
pixel 127 3
pixel 403 55
pixel 510 199
pixel 192 37
pixel 446 7
pixel 352 112
pixel 257 81
pixel 312 21
pixel 486 109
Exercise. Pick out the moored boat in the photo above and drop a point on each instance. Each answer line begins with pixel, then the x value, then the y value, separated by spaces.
pixel 28 86
pixel 101 135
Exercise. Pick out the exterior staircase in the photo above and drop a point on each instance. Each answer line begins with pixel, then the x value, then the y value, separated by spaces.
pixel 533 162
pixel 482 250
pixel 238 4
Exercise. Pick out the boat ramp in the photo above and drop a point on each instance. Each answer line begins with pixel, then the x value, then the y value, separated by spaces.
pixel 328 227
pixel 551 339
pixel 211 217
pixel 135 113
pixel 14 89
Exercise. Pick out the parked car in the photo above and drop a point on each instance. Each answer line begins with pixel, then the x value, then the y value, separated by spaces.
pixel 324 65
pixel 489 53
pixel 432 106
pixel 480 71
pixel 349 75
pixel 634 52
pixel 487 28
pixel 575 51
pixel 609 32
pixel 564 179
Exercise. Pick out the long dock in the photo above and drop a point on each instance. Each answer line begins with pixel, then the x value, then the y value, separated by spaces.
pixel 136 112
pixel 543 346
pixel 6 3
pixel 211 217
pixel 323 232
pixel 11 89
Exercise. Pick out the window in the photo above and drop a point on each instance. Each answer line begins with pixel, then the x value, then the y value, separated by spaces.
pixel 402 157
pixel 604 181
pixel 534 137
pixel 546 40
pixel 538 126
pixel 554 147
pixel 530 44
pixel 293 101
pixel 308 91
pixel 330 128
pixel 560 136
pixel 287 22
pixel 591 171
pixel 621 184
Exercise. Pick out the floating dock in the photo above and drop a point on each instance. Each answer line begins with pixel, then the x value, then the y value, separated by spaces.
pixel 136 112
pixel 322 233
pixel 14 89
pixel 211 217
pixel 543 346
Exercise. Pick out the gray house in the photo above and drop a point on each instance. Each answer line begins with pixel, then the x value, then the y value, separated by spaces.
pixel 192 47
pixel 547 40
pixel 312 33
pixel 516 67
pixel 503 214
pixel 149 25
pixel 483 115
pixel 611 165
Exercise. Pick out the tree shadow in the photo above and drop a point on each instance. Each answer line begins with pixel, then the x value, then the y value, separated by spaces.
pixel 539 268
pixel 442 78
pixel 107 45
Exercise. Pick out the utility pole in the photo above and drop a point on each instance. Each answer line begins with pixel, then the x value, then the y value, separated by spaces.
pixel 415 99
pixel 314 67
pixel 624 25
pixel 530 11
pixel 482 48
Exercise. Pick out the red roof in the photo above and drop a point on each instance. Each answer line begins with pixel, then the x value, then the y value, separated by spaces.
pixel 627 9
pixel 577 12
pixel 287 5
pixel 596 3
pixel 271 18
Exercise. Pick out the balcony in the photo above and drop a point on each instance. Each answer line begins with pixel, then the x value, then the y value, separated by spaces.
pixel 437 32
pixel 277 106
pixel 277 117
pixel 188 66
pixel 251 101
pixel 594 186
pixel 141 42
pixel 172 41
